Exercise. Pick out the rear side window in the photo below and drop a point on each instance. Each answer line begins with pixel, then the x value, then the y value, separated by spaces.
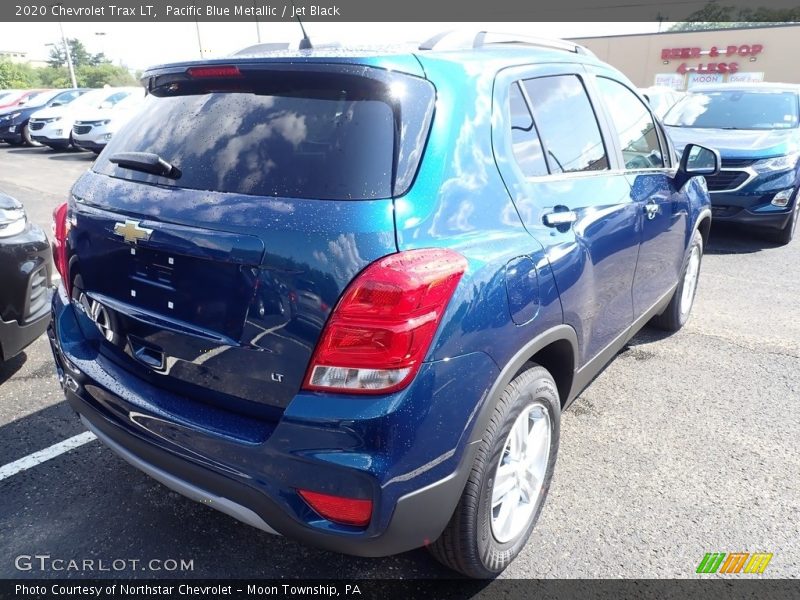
pixel 525 141
pixel 567 124
pixel 636 130
pixel 287 133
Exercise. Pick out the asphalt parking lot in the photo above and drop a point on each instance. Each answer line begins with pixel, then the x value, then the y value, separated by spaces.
pixel 684 445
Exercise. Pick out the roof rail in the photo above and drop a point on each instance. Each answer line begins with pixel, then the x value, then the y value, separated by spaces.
pixel 480 39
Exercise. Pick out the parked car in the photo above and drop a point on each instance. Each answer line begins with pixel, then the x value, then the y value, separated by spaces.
pixel 12 98
pixel 756 130
pixel 53 126
pixel 661 98
pixel 94 128
pixel 7 96
pixel 25 270
pixel 484 228
pixel 14 127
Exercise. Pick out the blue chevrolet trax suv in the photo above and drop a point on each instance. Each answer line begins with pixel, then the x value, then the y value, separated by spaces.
pixel 756 129
pixel 346 296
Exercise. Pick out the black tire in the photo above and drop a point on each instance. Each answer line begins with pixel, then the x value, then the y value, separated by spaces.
pixel 26 136
pixel 468 544
pixel 785 235
pixel 677 314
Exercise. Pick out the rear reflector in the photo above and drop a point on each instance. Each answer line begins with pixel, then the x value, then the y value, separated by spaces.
pixel 347 511
pixel 379 332
pixel 222 71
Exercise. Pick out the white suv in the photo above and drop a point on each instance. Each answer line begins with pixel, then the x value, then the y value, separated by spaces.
pixel 53 126
pixel 94 128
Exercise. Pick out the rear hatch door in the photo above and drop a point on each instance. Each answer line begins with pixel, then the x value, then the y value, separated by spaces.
pixel 215 279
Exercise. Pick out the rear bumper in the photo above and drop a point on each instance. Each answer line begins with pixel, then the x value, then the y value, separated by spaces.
pixel 404 452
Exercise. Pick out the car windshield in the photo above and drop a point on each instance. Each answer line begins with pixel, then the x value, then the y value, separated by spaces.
pixel 133 99
pixel 94 98
pixel 736 109
pixel 41 98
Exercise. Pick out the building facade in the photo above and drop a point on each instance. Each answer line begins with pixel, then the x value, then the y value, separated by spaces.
pixel 683 59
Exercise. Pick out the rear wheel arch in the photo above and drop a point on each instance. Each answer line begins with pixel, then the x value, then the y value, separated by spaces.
pixel 558 357
pixel 550 349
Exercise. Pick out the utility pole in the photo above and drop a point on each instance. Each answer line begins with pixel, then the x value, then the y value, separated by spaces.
pixel 69 54
pixel 197 28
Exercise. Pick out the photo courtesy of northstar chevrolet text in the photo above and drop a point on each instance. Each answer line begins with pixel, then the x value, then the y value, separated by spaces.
pixel 369 301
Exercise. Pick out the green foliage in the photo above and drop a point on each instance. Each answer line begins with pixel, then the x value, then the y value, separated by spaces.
pixel 104 74
pixel 80 56
pixel 15 75
pixel 24 76
pixel 718 16
pixel 91 70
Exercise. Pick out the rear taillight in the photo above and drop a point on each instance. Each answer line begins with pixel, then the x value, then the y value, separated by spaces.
pixel 347 511
pixel 60 231
pixel 379 332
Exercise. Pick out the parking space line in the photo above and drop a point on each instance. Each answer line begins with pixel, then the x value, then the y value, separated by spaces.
pixel 37 458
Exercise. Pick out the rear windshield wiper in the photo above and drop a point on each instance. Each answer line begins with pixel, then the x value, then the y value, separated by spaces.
pixel 146 162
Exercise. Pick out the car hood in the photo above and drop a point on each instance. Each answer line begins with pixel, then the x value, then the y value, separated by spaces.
pixel 8 203
pixel 24 110
pixel 95 114
pixel 52 112
pixel 738 143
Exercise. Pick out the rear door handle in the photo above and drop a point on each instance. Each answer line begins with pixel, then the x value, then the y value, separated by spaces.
pixel 559 218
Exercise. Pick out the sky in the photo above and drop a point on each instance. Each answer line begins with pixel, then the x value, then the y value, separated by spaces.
pixel 139 45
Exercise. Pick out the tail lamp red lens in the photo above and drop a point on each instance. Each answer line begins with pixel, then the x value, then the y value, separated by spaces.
pixel 59 244
pixel 347 511
pixel 379 332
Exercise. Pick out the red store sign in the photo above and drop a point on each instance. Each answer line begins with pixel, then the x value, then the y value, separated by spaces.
pixel 714 52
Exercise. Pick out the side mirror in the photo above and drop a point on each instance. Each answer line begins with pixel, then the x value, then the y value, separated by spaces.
pixel 56 103
pixel 696 160
pixel 106 104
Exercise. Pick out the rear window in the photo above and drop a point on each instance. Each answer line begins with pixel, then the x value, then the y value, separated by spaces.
pixel 286 133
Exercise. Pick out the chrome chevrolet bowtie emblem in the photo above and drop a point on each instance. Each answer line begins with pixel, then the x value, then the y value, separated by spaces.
pixel 132 232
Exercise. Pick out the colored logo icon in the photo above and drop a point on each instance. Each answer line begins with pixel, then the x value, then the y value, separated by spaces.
pixel 734 562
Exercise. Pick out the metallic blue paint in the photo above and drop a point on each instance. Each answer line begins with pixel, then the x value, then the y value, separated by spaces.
pixel 264 273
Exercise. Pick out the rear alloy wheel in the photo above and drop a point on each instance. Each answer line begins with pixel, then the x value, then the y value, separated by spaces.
pixel 509 480
pixel 680 306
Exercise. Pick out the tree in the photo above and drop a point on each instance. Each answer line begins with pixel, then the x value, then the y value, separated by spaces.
pixel 80 56
pixel 717 16
pixel 17 75
pixel 104 74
